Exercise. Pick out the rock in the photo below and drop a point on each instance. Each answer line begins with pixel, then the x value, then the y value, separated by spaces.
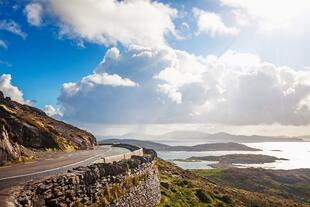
pixel 1 96
pixel 48 194
pixel 48 186
pixel 24 200
pixel 67 190
pixel 57 192
pixel 70 194
pixel 165 185
pixel 52 202
pixel 73 180
pixel 202 196
pixel 85 200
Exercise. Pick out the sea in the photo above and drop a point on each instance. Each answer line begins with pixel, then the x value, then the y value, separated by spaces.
pixel 297 153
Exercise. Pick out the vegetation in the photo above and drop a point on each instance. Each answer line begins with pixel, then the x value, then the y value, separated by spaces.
pixel 181 188
pixel 292 184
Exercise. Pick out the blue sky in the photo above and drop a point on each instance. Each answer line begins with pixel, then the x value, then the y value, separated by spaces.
pixel 62 60
pixel 42 62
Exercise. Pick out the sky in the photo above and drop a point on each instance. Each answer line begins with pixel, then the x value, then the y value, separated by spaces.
pixel 115 67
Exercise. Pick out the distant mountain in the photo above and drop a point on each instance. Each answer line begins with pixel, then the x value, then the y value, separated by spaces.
pixel 24 129
pixel 306 138
pixel 201 137
pixel 225 137
pixel 164 147
pixel 139 143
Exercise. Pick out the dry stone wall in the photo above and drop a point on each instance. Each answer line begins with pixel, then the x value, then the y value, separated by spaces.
pixel 132 182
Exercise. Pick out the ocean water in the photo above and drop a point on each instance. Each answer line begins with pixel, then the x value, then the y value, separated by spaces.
pixel 297 153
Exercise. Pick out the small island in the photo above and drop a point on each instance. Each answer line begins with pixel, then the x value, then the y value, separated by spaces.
pixel 227 161
pixel 229 146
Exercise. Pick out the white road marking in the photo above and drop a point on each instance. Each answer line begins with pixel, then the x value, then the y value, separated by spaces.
pixel 54 169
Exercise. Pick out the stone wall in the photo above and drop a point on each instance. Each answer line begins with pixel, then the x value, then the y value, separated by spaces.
pixel 132 182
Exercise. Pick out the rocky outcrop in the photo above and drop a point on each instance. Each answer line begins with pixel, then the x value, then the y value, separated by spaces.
pixel 132 182
pixel 10 150
pixel 23 126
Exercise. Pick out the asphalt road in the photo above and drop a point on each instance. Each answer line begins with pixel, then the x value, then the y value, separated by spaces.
pixel 51 163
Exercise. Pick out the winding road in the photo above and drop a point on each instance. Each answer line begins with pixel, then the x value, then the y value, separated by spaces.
pixel 51 163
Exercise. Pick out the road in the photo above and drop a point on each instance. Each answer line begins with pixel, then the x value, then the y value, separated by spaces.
pixel 51 163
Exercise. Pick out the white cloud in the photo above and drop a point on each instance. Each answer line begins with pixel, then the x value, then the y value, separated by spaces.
pixel 107 22
pixel 271 14
pixel 10 90
pixel 33 12
pixel 5 63
pixel 69 89
pixel 107 79
pixel 112 53
pixel 52 111
pixel 185 26
pixel 3 44
pixel 172 92
pixel 99 77
pixel 211 23
pixel 307 68
pixel 175 86
pixel 13 27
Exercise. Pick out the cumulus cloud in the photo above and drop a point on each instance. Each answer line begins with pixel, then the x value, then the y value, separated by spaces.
pixel 10 90
pixel 141 22
pixel 176 86
pixel 107 79
pixel 52 111
pixel 33 12
pixel 271 15
pixel 211 23
pixel 13 27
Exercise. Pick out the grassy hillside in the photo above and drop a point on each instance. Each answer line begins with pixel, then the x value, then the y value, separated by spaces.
pixel 24 128
pixel 292 184
pixel 182 188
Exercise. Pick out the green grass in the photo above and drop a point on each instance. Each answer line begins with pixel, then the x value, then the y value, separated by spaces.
pixel 286 184
pixel 209 172
pixel 180 191
pixel 202 188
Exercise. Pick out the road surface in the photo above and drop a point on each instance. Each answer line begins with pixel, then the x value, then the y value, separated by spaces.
pixel 52 163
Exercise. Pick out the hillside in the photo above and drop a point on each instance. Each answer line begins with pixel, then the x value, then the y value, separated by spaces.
pixel 24 129
pixel 202 137
pixel 200 147
pixel 184 188
pixel 292 184
pixel 140 143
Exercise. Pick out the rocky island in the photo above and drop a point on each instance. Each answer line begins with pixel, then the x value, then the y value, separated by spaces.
pixel 229 160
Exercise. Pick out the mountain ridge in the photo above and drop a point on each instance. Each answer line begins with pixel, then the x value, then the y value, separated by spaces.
pixel 200 147
pixel 202 137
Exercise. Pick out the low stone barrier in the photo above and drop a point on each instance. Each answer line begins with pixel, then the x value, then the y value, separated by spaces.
pixel 131 182
pixel 116 158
